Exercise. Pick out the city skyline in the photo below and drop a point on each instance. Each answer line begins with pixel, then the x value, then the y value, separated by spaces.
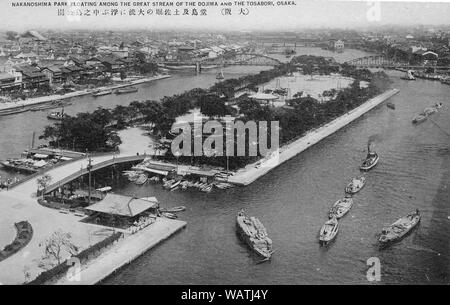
pixel 303 15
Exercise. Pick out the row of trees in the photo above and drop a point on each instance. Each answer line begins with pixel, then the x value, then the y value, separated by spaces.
pixel 96 131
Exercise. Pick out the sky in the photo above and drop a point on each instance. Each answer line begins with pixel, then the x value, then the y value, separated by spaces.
pixel 305 14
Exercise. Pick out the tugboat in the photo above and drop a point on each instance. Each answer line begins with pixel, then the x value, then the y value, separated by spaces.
pixel 56 115
pixel 328 231
pixel 400 228
pixel 371 160
pixel 355 185
pixel 254 235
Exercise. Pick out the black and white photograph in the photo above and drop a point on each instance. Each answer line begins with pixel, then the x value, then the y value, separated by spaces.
pixel 210 146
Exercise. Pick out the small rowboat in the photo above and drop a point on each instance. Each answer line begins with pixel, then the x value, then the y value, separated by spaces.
pixel 340 208
pixel 180 208
pixel 329 231
pixel 169 215
pixel 141 179
pixel 390 105
pixel 400 228
pixel 355 185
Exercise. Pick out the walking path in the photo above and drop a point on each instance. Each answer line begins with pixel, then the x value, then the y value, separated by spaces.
pixel 253 171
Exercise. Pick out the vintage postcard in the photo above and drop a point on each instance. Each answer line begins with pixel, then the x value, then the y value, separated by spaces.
pixel 224 143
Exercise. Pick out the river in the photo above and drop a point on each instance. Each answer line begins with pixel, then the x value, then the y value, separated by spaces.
pixel 292 201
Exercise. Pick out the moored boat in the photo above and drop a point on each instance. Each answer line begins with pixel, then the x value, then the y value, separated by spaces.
pixel 180 208
pixel 355 185
pixel 419 118
pixel 126 90
pixel 408 76
pixel 56 115
pixel 141 179
pixel 400 228
pixel 253 233
pixel 340 207
pixel 101 93
pixel 169 215
pixel 328 231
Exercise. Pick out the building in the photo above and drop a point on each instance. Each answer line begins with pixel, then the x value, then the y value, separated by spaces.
pixel 53 73
pixel 8 82
pixel 124 209
pixel 32 77
pixel 339 45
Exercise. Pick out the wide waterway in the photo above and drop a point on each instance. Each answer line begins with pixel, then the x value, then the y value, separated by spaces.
pixel 292 201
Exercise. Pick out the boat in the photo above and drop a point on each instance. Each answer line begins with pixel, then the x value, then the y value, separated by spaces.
pixel 341 207
pixel 180 208
pixel 141 179
pixel 101 93
pixel 419 118
pixel 408 76
pixel 445 80
pixel 57 115
pixel 328 231
pixel 126 90
pixel 175 184
pixel 390 105
pixel 253 233
pixel 220 75
pixel 370 161
pixel 355 185
pixel 400 228
pixel 169 215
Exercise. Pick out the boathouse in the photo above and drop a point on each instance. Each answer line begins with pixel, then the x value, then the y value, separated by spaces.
pixel 122 210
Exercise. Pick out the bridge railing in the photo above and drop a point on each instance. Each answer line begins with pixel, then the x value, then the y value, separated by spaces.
pixel 84 171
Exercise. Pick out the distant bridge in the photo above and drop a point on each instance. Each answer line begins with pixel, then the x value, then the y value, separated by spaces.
pixel 380 61
pixel 244 59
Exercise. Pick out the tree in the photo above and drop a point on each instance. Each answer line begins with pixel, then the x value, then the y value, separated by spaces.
pixel 213 106
pixel 308 69
pixel 56 247
pixel 43 182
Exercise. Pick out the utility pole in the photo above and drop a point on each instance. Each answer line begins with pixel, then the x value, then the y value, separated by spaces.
pixel 89 167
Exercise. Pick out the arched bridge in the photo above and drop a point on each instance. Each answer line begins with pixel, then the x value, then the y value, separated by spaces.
pixel 254 59
pixel 244 59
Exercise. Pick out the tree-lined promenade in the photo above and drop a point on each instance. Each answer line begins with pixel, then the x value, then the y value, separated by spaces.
pixel 96 131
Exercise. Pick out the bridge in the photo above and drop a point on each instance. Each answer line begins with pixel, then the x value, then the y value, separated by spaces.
pixel 244 59
pixel 95 167
pixel 380 61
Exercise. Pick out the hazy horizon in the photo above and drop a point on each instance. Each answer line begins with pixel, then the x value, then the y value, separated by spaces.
pixel 307 14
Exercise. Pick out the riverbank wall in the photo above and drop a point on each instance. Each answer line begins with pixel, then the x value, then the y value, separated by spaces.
pixel 253 171
pixel 25 105
pixel 123 253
